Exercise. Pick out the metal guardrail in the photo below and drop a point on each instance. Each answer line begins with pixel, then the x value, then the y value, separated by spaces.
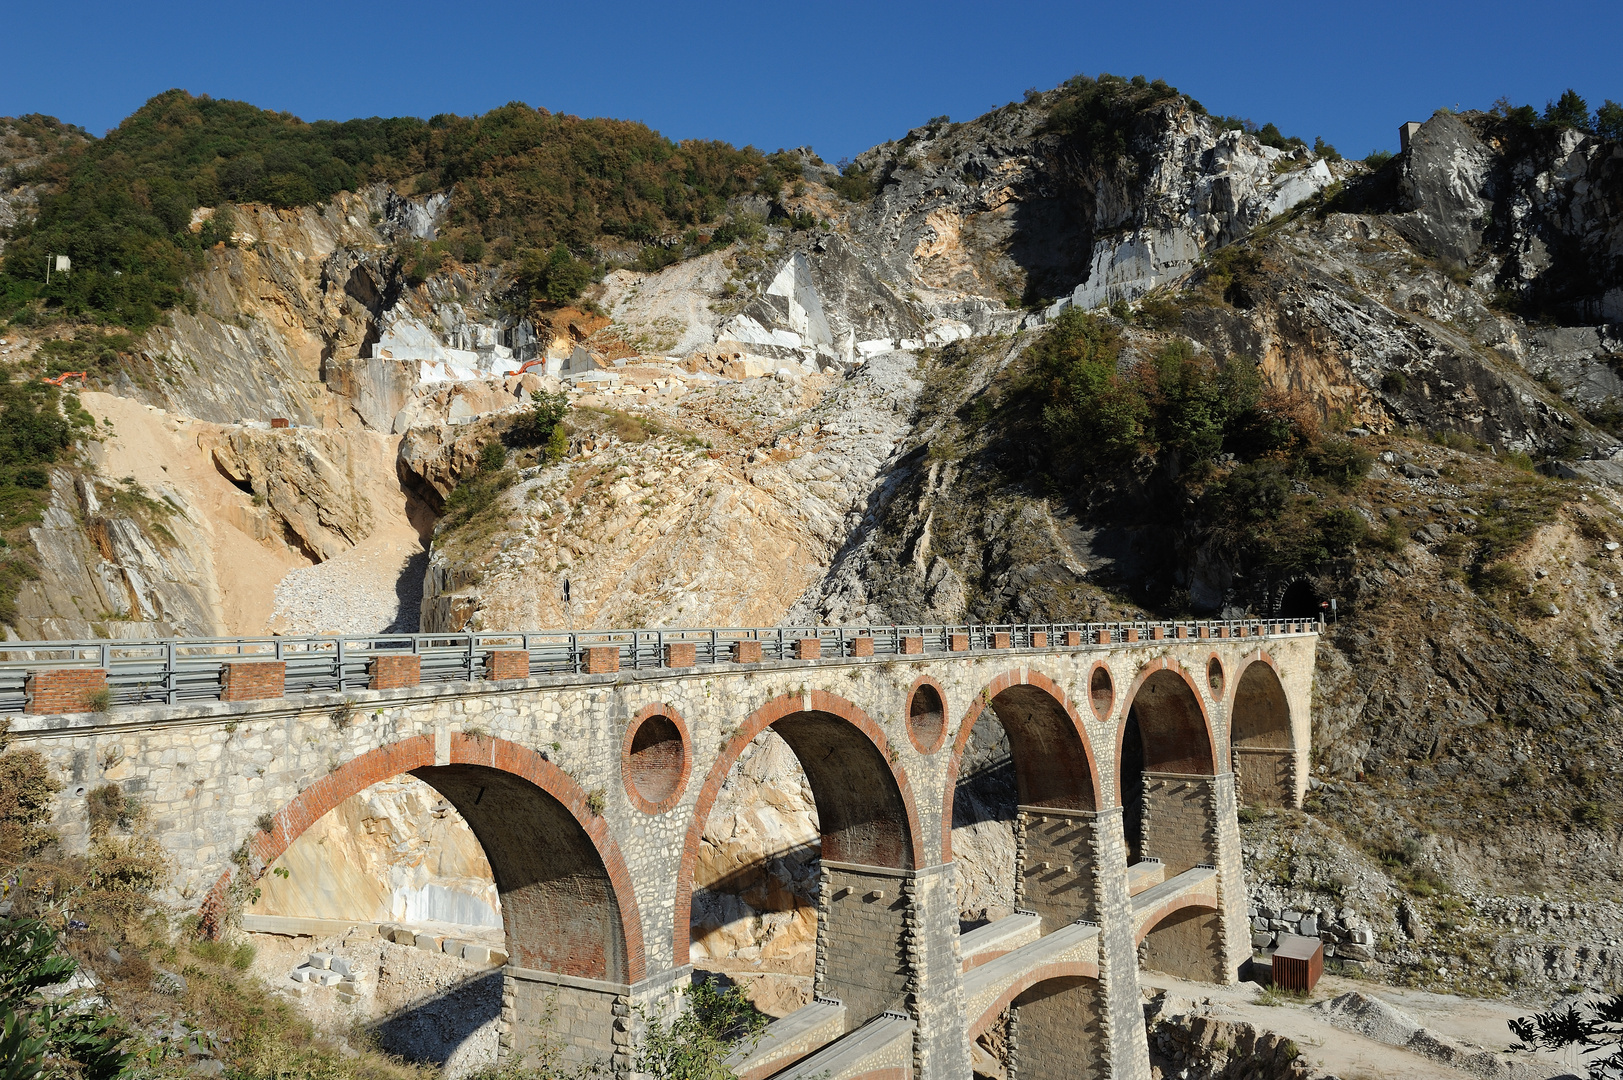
pixel 189 669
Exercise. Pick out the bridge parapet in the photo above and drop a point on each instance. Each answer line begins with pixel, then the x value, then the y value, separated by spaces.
pixel 179 670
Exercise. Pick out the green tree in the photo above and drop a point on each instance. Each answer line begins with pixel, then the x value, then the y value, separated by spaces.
pixel 1568 111
pixel 1609 120
pixel 695 1044
pixel 556 277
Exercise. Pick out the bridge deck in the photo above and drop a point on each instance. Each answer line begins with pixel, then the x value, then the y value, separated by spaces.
pixel 883 1043
pixel 1145 874
pixel 788 1039
pixel 181 670
pixel 987 987
pixel 986 943
pixel 1196 887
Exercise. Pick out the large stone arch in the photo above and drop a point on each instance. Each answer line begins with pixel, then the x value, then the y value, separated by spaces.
pixel 1166 757
pixel 1055 804
pixel 1178 736
pixel 1054 761
pixel 865 805
pixel 1059 1020
pixel 1184 937
pixel 1261 740
pixel 567 897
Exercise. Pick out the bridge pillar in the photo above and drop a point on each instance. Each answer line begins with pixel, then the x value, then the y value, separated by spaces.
pixel 1193 821
pixel 887 940
pixel 1121 1019
pixel 1230 878
pixel 1073 866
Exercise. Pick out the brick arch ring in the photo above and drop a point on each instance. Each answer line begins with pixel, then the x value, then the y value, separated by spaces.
pixel 1162 663
pixel 417 752
pixel 1170 908
pixel 1035 977
pixel 1019 677
pixel 757 722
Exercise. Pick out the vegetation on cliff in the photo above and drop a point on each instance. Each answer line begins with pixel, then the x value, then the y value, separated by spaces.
pixel 522 181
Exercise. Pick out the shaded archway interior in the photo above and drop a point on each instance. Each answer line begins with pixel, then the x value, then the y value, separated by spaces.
pixel 860 810
pixel 1051 763
pixel 1260 716
pixel 926 718
pixel 1172 727
pixel 558 901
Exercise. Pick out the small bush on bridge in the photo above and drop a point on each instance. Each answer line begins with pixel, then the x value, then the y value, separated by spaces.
pixel 695 1045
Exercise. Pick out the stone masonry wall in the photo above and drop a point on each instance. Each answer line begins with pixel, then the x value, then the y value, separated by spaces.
pixel 1178 827
pixel 862 940
pixel 1058 870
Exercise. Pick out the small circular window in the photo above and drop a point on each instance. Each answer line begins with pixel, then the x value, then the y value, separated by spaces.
pixel 926 718
pixel 656 762
pixel 1214 675
pixel 1101 692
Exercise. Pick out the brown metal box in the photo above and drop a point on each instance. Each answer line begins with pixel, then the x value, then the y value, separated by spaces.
pixel 1298 962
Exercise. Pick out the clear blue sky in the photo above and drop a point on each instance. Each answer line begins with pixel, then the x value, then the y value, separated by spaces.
pixel 840 76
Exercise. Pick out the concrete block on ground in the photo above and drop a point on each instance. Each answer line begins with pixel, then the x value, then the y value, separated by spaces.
pixel 320 961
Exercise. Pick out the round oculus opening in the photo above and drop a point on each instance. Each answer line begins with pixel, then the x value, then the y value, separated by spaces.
pixel 1101 692
pixel 654 766
pixel 926 719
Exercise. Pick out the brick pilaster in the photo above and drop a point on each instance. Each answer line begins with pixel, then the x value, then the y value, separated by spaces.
pixel 912 646
pixel 746 652
pixel 394 670
pixel 862 646
pixel 602 659
pixel 507 664
pixel 681 654
pixel 63 690
pixel 252 680
pixel 808 648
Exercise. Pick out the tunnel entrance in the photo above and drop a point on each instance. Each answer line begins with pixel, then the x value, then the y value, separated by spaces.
pixel 1299 601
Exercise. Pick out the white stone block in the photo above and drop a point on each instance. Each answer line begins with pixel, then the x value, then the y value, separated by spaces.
pixel 320 961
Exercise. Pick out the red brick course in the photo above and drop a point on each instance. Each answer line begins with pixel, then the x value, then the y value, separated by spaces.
pixel 862 646
pixel 757 722
pixel 63 690
pixel 1039 639
pixel 912 646
pixel 1073 638
pixel 1102 637
pixel 392 672
pixel 680 654
pixel 1132 634
pixel 957 642
pixel 602 659
pixel 252 680
pixel 746 652
pixel 808 648
pixel 1000 639
pixel 1158 633
pixel 507 664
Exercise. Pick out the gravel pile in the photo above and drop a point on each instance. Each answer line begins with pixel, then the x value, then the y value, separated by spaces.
pixel 353 594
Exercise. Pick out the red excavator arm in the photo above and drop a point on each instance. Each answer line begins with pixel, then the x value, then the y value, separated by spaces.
pixel 65 376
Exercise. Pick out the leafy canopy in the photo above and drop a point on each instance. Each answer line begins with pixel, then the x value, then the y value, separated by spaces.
pixel 521 179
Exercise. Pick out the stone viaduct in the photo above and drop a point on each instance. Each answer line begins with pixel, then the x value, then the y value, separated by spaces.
pixel 590 791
